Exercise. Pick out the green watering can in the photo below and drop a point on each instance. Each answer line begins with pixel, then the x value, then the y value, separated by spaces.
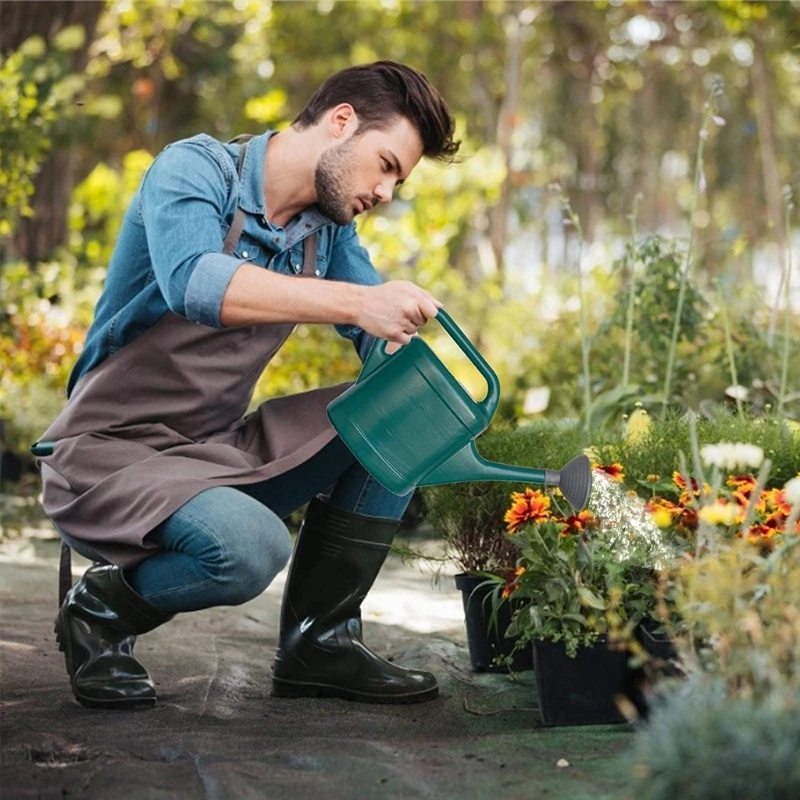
pixel 411 423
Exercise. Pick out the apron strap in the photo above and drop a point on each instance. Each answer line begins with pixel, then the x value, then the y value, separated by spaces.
pixel 309 255
pixel 235 231
pixel 64 573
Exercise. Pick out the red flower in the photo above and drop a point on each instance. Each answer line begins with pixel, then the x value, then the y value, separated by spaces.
pixel 578 523
pixel 512 581
pixel 614 471
pixel 688 519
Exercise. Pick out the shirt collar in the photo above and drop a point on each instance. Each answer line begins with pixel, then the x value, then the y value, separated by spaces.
pixel 251 198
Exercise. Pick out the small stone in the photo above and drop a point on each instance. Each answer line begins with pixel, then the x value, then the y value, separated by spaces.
pixel 562 762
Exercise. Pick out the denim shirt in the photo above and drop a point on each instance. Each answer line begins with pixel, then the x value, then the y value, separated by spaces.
pixel 168 256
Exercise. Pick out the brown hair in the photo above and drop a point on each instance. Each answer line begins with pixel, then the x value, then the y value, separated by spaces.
pixel 380 92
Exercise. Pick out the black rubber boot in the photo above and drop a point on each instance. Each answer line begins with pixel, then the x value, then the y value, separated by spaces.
pixel 337 557
pixel 96 629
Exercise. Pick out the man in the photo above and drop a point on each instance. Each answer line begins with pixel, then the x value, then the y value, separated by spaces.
pixel 155 473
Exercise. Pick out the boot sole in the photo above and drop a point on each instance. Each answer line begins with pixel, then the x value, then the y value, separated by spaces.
pixel 298 689
pixel 88 702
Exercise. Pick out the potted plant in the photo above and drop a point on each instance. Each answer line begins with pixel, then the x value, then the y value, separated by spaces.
pixel 567 582
pixel 485 559
pixel 468 516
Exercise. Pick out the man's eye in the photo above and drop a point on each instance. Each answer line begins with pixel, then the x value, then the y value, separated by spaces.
pixel 386 165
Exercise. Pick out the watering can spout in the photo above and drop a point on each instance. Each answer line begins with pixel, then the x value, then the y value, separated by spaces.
pixel 574 480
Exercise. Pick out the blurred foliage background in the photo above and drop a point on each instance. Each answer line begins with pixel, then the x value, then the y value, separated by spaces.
pixel 605 99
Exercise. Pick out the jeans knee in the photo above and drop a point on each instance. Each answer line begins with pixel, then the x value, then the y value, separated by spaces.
pixel 254 563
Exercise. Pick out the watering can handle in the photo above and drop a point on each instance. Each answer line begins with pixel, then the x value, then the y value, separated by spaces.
pixel 378 355
pixel 489 402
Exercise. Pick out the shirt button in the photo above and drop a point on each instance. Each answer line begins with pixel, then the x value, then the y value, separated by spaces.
pixel 244 254
pixel 317 272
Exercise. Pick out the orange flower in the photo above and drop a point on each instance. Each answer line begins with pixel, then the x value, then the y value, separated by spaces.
pixel 742 483
pixel 653 478
pixel 658 503
pixel 743 499
pixel 512 582
pixel 775 500
pixel 578 523
pixel 762 535
pixel 614 471
pixel 686 495
pixel 530 505
pixel 663 511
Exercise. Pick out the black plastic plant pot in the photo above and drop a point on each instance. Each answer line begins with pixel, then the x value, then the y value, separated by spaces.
pixel 660 647
pixel 580 690
pixel 655 644
pixel 483 646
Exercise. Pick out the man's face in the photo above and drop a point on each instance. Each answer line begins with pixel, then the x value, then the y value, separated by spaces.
pixel 353 175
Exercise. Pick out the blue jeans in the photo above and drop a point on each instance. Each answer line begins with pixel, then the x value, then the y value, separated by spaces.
pixel 227 544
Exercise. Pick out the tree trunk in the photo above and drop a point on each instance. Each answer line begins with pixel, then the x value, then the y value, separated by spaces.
pixel 650 153
pixel 769 164
pixel 37 237
pixel 505 127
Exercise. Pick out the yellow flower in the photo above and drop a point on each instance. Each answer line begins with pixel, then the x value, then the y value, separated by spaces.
pixel 638 425
pixel 793 425
pixel 662 517
pixel 653 478
pixel 720 513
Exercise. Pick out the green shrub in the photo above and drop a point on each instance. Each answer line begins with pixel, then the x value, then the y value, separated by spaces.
pixel 656 452
pixel 700 744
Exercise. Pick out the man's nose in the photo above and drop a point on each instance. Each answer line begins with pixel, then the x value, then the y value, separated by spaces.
pixel 383 191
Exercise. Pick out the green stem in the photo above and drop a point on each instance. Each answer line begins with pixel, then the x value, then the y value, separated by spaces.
pixel 626 370
pixel 729 345
pixel 787 311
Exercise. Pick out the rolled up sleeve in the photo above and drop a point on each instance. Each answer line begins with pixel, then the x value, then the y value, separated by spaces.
pixel 350 262
pixel 182 206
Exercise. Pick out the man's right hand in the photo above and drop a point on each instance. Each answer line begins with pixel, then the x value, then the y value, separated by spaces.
pixel 395 310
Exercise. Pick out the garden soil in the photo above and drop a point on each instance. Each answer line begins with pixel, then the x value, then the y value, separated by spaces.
pixel 217 733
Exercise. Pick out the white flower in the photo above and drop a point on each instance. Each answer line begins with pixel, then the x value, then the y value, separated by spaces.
pixel 737 392
pixel 730 455
pixel 792 491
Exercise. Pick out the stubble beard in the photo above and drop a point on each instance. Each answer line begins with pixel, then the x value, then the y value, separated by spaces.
pixel 333 196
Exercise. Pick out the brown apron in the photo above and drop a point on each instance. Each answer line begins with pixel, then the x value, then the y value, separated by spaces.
pixel 161 420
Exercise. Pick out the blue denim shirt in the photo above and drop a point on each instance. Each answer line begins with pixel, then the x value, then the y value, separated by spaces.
pixel 168 256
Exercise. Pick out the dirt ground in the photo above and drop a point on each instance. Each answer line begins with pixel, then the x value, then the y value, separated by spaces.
pixel 217 733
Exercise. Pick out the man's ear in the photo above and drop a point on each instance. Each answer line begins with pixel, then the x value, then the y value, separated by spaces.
pixel 342 119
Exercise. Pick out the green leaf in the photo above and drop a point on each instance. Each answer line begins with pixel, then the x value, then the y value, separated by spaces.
pixel 589 598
